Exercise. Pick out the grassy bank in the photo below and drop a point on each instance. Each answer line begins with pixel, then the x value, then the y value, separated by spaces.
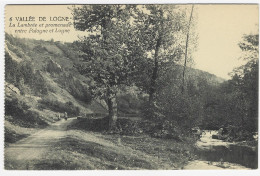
pixel 14 133
pixel 164 153
pixel 79 148
pixel 82 151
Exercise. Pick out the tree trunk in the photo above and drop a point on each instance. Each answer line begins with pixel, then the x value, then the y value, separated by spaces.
pixel 186 51
pixel 112 111
pixel 155 71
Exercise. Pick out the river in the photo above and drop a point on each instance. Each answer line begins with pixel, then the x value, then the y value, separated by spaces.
pixel 217 154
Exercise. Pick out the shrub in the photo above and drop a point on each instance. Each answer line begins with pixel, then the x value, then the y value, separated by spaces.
pixel 12 136
pixel 166 129
pixel 75 88
pixel 15 72
pixel 67 51
pixel 58 106
pixel 39 49
pixel 128 103
pixel 14 107
pixel 238 133
pixel 152 112
pixel 15 50
pixel 18 113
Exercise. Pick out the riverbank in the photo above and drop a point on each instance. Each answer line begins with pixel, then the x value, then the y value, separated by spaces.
pixel 218 154
pixel 169 154
pixel 251 144
pixel 207 165
pixel 75 147
pixel 207 141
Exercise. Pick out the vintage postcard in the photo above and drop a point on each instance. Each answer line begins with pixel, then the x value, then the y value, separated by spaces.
pixel 131 87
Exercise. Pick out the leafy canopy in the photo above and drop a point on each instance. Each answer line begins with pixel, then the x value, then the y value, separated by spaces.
pixel 108 51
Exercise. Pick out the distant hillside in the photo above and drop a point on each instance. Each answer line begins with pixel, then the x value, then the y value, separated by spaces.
pixel 209 77
pixel 173 76
pixel 41 83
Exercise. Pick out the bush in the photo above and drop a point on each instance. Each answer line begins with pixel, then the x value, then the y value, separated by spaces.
pixel 166 130
pixel 58 106
pixel 11 136
pixel 152 112
pixel 67 51
pixel 75 88
pixel 128 103
pixel 15 50
pixel 39 49
pixel 19 42
pixel 18 113
pixel 238 133
pixel 14 107
pixel 15 72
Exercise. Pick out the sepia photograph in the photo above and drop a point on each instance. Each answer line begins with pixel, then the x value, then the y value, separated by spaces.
pixel 131 87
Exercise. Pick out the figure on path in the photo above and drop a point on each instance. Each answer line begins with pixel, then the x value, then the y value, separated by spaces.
pixel 65 115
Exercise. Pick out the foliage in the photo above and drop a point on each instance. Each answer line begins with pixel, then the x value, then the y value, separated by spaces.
pixel 244 85
pixel 18 112
pixel 107 58
pixel 158 129
pixel 12 41
pixel 75 87
pixel 106 54
pixel 235 102
pixel 15 50
pixel 210 105
pixel 128 44
pixel 58 106
pixel 12 136
pixel 23 73
pixel 130 100
pixel 235 133
pixel 39 48
pixel 185 110
pixel 53 68
pixel 161 31
pixel 69 50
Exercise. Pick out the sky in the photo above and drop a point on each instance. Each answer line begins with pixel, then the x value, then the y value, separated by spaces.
pixel 220 28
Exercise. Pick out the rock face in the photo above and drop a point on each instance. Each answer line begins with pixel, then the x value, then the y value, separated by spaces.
pixel 13 55
pixel 10 88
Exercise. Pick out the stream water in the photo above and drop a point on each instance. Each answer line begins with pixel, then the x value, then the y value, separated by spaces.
pixel 217 154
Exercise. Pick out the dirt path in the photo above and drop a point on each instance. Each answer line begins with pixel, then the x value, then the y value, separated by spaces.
pixel 21 154
pixel 58 147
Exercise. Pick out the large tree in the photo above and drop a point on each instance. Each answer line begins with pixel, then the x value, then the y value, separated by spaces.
pixel 162 31
pixel 107 52
pixel 186 49
pixel 245 83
